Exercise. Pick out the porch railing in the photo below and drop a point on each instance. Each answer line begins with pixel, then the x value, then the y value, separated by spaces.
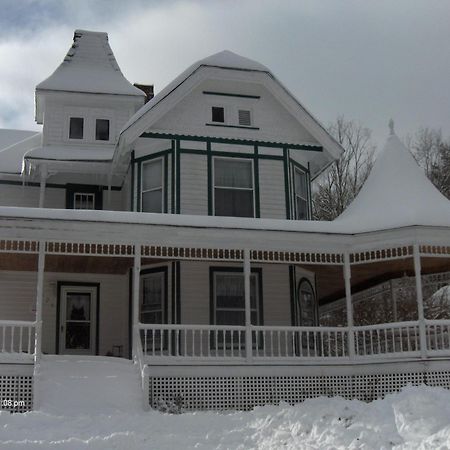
pixel 278 343
pixel 17 337
pixel 299 342
pixel 389 339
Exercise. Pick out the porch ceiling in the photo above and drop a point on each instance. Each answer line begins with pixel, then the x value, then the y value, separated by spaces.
pixel 330 279
pixel 71 264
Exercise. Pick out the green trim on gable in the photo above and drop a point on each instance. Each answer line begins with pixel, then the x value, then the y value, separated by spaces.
pixel 153 155
pixel 132 193
pixel 209 180
pixel 227 94
pixel 178 180
pixel 172 190
pixel 256 187
pixel 185 137
pixel 230 126
pixel 286 183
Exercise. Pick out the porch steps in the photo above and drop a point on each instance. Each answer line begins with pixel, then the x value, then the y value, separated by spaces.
pixel 76 384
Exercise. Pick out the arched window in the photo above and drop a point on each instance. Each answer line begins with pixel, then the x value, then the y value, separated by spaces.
pixel 306 314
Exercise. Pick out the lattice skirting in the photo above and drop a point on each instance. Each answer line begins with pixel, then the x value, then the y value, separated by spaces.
pixel 246 392
pixel 16 392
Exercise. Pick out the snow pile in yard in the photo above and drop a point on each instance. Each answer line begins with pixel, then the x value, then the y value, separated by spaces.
pixel 96 405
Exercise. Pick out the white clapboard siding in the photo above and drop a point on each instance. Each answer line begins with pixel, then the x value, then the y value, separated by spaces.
pixel 193 184
pixel 195 293
pixel 271 189
pixel 17 302
pixel 194 296
pixel 276 295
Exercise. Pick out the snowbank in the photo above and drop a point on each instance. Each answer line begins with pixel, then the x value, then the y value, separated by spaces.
pixel 106 415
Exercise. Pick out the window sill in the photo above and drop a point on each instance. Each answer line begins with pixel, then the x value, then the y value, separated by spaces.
pixel 230 126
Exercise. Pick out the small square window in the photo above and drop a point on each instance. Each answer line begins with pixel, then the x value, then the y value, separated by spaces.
pixel 218 114
pixel 83 200
pixel 76 128
pixel 102 130
pixel 244 117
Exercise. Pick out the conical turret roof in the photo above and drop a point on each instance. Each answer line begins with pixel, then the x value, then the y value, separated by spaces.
pixel 397 193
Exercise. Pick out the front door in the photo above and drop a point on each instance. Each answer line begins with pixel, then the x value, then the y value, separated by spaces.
pixel 78 320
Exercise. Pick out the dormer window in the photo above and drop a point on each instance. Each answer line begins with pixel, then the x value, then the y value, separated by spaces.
pixel 218 114
pixel 102 130
pixel 244 117
pixel 76 128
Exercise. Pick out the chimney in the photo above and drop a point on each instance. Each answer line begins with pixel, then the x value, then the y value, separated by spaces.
pixel 147 89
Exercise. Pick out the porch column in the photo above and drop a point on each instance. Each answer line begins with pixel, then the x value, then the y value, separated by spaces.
pixel 349 305
pixel 136 282
pixel 39 301
pixel 42 186
pixel 248 313
pixel 419 297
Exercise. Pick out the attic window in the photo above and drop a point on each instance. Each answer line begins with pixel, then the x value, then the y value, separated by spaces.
pixel 76 128
pixel 102 130
pixel 218 114
pixel 244 117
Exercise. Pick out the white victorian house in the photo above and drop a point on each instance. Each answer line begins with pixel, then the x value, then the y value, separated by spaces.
pixel 175 230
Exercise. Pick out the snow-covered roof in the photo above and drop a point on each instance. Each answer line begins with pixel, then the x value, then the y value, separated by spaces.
pixel 10 137
pixel 89 66
pixel 11 157
pixel 70 153
pixel 224 59
pixel 229 60
pixel 397 193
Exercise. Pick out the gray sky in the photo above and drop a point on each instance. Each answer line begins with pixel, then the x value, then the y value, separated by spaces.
pixel 367 59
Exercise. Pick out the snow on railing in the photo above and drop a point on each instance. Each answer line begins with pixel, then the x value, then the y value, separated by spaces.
pixel 299 342
pixel 387 339
pixel 193 341
pixel 17 337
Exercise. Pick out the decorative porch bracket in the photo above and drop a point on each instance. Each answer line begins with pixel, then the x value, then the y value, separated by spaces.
pixel 419 297
pixel 349 305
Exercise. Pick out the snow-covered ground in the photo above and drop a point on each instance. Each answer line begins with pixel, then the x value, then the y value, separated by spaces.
pixel 96 404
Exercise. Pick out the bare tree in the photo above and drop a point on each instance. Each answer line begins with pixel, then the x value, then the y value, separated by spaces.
pixel 336 188
pixel 432 153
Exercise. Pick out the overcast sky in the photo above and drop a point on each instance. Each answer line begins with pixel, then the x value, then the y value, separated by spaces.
pixel 369 60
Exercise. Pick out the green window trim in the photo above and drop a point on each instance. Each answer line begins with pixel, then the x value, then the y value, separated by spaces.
pixel 225 269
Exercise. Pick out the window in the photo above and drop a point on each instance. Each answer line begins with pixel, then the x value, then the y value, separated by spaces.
pixel 102 130
pixel 153 297
pixel 307 304
pixel 82 200
pixel 301 194
pixel 152 186
pixel 244 117
pixel 233 187
pixel 84 196
pixel 218 114
pixel 229 299
pixel 76 127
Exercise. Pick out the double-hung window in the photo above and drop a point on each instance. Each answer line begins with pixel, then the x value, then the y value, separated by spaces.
pixel 301 194
pixel 229 303
pixel 233 187
pixel 84 200
pixel 153 294
pixel 152 186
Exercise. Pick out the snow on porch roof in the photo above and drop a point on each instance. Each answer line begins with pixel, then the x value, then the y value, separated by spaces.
pixel 90 66
pixel 397 193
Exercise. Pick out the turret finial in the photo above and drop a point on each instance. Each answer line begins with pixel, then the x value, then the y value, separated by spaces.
pixel 391 127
